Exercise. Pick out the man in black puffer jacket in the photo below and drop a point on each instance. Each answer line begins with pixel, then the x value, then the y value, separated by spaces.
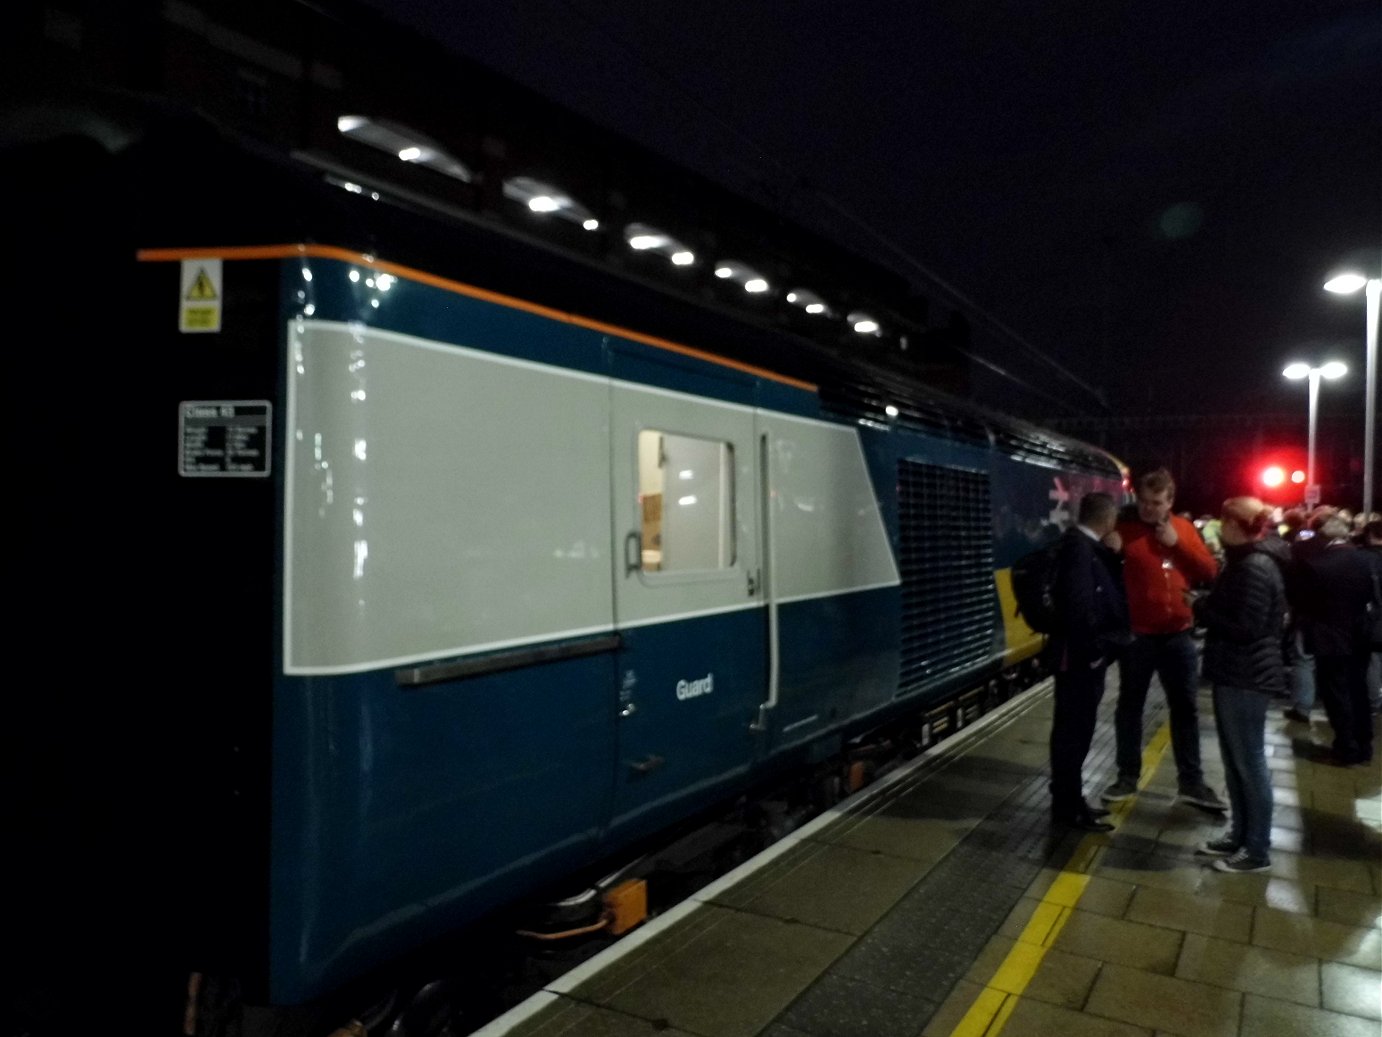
pixel 1243 616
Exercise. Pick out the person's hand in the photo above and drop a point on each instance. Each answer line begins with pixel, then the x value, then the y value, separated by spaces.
pixel 1166 533
pixel 1113 541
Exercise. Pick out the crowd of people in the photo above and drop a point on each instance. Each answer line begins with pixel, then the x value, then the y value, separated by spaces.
pixel 1288 606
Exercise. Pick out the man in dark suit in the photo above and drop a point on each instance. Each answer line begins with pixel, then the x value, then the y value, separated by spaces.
pixel 1334 586
pixel 1093 625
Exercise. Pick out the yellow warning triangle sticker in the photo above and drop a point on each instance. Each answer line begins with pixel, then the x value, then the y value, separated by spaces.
pixel 202 288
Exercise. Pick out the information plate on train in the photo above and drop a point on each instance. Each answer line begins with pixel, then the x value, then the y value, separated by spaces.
pixel 224 438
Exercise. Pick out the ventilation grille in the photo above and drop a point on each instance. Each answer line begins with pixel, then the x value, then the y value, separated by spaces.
pixel 947 571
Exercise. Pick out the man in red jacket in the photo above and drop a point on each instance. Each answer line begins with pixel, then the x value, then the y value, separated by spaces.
pixel 1163 557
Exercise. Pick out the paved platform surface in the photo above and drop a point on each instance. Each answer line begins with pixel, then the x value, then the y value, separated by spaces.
pixel 947 906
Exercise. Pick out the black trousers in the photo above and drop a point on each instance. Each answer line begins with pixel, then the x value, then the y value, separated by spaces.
pixel 1078 693
pixel 1342 683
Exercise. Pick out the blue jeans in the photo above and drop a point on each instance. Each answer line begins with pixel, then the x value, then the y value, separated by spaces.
pixel 1302 673
pixel 1240 714
pixel 1173 658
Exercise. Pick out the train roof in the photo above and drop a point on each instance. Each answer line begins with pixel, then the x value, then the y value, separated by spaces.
pixel 184 158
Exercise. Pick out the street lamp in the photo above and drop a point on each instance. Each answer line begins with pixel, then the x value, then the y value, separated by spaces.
pixel 1295 372
pixel 1347 284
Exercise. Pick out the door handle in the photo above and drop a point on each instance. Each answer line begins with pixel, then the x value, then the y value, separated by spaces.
pixel 632 565
pixel 647 765
pixel 753 582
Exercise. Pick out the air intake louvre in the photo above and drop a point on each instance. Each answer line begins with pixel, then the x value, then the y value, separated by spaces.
pixel 947 571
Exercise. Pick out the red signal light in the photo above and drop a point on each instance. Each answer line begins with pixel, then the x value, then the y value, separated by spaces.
pixel 1298 476
pixel 1273 476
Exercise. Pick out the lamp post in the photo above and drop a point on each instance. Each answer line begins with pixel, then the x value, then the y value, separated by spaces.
pixel 1347 284
pixel 1295 372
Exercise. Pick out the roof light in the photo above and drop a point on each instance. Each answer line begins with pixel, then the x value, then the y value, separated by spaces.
pixel 741 274
pixel 644 238
pixel 863 323
pixel 403 142
pixel 890 411
pixel 544 198
pixel 808 301
pixel 1296 371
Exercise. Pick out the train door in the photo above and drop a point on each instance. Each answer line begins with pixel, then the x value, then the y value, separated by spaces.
pixel 687 589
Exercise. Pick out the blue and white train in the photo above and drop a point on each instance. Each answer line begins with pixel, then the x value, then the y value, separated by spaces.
pixel 371 584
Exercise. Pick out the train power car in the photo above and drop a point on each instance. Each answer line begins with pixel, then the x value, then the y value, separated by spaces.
pixel 379 568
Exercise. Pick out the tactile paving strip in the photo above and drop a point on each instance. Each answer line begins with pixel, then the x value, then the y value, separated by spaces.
pixel 890 983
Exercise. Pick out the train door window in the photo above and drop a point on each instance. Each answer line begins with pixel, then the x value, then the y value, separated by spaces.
pixel 686 494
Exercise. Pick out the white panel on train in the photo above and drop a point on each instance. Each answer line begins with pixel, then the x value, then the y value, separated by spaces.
pixel 827 531
pixel 440 500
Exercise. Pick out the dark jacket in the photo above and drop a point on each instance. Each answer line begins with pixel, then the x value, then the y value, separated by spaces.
pixel 1243 617
pixel 1090 604
pixel 1334 588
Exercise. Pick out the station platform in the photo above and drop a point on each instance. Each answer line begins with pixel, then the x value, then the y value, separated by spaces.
pixel 940 902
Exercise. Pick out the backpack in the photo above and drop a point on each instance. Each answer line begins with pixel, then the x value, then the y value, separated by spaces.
pixel 1034 587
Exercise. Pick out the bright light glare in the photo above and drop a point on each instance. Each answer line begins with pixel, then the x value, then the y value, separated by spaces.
pixel 687 501
pixel 543 203
pixel 355 275
pixel 1298 476
pixel 866 327
pixel 1297 371
pixel 756 285
pixel 890 411
pixel 815 307
pixel 1273 476
pixel 591 224
pixel 723 271
pixel 791 296
pixel 683 258
pixel 1334 369
pixel 410 154
pixel 642 242
pixel 685 473
pixel 1345 284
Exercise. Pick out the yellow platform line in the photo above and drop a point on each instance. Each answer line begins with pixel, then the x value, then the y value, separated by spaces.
pixel 990 1011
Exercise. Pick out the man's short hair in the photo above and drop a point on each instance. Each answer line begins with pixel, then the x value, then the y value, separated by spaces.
pixel 1335 527
pixel 1155 481
pixel 1320 515
pixel 1096 507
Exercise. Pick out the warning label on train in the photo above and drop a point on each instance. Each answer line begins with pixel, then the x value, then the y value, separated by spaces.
pixel 224 438
pixel 200 306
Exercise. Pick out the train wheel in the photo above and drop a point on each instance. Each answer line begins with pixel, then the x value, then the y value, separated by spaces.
pixel 434 1011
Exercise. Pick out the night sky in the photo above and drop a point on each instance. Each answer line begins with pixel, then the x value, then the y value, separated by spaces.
pixel 1149 193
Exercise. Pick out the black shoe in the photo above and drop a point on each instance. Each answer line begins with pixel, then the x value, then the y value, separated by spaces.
pixel 1094 811
pixel 1081 819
